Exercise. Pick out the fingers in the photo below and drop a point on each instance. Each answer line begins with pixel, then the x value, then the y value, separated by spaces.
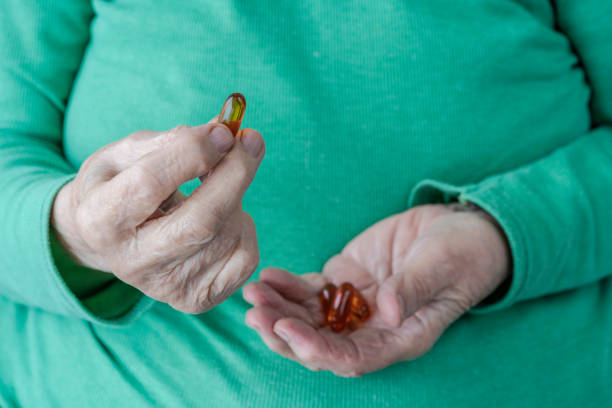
pixel 352 354
pixel 260 294
pixel 321 349
pixel 341 268
pixel 365 350
pixel 111 159
pixel 262 320
pixel 304 341
pixel 288 329
pixel 131 196
pixel 291 286
pixel 168 205
pixel 220 195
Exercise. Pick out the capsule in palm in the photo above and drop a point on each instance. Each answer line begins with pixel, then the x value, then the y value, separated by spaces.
pixel 326 295
pixel 340 310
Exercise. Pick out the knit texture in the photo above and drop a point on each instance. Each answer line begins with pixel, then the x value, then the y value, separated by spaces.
pixel 367 108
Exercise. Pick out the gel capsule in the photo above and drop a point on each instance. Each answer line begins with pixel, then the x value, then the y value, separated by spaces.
pixel 359 307
pixel 325 298
pixel 340 310
pixel 343 307
pixel 360 312
pixel 233 111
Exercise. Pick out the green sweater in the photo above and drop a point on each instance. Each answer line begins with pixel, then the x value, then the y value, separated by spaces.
pixel 367 108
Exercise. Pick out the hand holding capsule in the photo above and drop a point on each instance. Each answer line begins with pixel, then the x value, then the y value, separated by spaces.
pixel 124 215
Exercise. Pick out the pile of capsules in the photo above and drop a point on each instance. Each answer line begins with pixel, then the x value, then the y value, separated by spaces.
pixel 343 307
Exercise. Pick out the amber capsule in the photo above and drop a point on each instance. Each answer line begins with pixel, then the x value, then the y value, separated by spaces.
pixel 359 307
pixel 360 312
pixel 340 310
pixel 325 298
pixel 233 111
pixel 343 307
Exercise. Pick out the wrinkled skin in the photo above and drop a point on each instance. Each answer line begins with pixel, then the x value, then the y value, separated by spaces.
pixel 123 214
pixel 419 271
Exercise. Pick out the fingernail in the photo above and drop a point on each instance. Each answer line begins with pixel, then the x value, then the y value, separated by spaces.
pixel 252 142
pixel 254 326
pixel 222 138
pixel 282 335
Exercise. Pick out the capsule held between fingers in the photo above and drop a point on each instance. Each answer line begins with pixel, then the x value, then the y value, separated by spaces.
pixel 233 111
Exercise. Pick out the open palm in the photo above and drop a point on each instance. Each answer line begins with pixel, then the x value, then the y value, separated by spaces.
pixel 419 271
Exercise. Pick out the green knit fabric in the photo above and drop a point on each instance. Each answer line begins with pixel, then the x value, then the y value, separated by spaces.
pixel 367 108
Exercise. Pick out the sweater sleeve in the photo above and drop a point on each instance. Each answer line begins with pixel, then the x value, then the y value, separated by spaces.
pixel 556 211
pixel 41 46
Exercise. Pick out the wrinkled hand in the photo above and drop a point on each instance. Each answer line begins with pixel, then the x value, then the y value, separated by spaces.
pixel 123 213
pixel 419 271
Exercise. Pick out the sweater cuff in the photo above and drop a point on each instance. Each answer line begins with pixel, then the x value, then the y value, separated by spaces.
pixel 493 201
pixel 87 293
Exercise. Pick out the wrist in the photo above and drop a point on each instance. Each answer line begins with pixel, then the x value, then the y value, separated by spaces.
pixel 505 249
pixel 66 232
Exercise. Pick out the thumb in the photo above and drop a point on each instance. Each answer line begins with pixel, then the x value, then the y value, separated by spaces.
pixel 412 287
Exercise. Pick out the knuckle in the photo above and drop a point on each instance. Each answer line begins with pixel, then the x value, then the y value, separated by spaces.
pixel 195 234
pixel 192 145
pixel 89 162
pixel 191 307
pixel 182 128
pixel 171 135
pixel 140 176
pixel 206 299
pixel 250 261
pixel 246 225
pixel 90 171
pixel 85 220
pixel 229 282
pixel 95 226
pixel 142 184
pixel 247 221
pixel 215 216
pixel 182 291
pixel 134 146
pixel 139 135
